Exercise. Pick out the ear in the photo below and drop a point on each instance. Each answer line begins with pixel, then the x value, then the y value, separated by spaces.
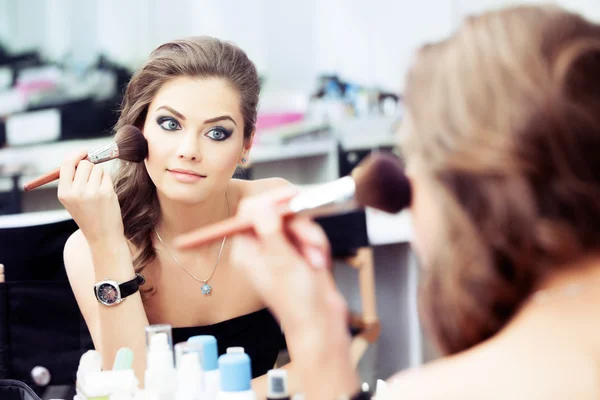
pixel 249 142
pixel 246 148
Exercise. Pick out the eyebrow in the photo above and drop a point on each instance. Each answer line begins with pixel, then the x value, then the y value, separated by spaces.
pixel 208 121
pixel 172 111
pixel 221 118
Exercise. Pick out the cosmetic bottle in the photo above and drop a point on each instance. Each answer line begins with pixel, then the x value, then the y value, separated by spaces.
pixel 180 349
pixel 206 345
pixel 160 376
pixel 123 359
pixel 381 390
pixel 277 381
pixel 90 362
pixel 123 383
pixel 155 329
pixel 236 376
pixel 146 395
pixel 95 386
pixel 235 349
pixel 190 378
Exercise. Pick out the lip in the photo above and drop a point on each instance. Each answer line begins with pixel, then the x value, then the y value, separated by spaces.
pixel 186 175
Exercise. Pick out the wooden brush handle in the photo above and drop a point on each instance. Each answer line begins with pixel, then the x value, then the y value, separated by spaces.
pixel 227 227
pixel 42 180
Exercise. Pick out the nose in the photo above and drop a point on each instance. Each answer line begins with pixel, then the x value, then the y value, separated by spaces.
pixel 189 148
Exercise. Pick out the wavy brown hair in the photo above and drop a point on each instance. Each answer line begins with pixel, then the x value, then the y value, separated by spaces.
pixel 505 120
pixel 196 57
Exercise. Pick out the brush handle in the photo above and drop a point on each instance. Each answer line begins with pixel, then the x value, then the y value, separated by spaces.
pixel 42 180
pixel 217 231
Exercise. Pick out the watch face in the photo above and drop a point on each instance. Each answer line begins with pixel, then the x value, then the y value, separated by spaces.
pixel 108 293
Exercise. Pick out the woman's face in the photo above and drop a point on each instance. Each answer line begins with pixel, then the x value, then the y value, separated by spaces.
pixel 195 134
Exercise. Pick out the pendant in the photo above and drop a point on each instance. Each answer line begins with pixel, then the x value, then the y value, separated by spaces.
pixel 206 289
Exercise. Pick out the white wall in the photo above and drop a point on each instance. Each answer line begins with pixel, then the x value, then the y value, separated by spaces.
pixel 6 21
pixel 291 41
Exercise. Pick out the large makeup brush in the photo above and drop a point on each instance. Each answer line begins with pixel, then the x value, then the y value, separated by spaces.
pixel 129 144
pixel 378 182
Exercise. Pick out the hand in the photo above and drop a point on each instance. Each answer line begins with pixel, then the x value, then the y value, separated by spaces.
pixel 89 196
pixel 287 261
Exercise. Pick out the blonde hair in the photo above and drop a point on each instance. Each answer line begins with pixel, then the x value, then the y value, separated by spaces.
pixel 506 123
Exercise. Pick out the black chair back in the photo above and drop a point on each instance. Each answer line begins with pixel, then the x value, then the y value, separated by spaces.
pixel 40 321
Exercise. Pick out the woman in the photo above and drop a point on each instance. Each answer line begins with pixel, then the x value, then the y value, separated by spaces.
pixel 502 144
pixel 195 101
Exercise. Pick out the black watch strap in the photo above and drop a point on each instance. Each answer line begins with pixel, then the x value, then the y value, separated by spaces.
pixel 130 287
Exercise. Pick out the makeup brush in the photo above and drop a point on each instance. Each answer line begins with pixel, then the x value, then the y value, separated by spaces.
pixel 378 182
pixel 129 144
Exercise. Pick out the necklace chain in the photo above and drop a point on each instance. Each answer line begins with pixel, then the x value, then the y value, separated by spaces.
pixel 205 281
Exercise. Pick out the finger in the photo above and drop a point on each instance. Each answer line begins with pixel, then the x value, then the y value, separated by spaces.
pixel 107 183
pixel 267 200
pixel 278 249
pixel 311 241
pixel 308 232
pixel 244 250
pixel 84 168
pixel 96 176
pixel 67 169
pixel 278 195
pixel 247 256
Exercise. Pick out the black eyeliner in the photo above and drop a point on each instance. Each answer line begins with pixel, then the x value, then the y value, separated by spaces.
pixel 226 132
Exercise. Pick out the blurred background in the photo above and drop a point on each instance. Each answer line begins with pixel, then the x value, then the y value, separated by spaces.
pixel 331 68
pixel 332 80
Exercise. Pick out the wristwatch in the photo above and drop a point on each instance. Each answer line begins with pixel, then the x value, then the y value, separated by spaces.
pixel 111 293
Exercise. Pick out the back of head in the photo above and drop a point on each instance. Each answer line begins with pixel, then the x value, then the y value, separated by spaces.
pixel 200 57
pixel 505 124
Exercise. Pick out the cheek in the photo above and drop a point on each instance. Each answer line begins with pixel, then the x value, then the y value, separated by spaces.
pixel 418 241
pixel 159 152
pixel 426 226
pixel 222 157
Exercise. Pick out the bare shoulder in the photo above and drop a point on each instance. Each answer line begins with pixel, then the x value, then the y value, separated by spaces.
pixel 494 371
pixel 477 373
pixel 441 379
pixel 251 188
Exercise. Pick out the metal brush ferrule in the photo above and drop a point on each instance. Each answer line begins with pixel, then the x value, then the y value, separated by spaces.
pixel 105 153
pixel 330 198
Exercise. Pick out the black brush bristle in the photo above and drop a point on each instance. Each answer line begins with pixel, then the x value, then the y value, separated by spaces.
pixel 382 184
pixel 131 143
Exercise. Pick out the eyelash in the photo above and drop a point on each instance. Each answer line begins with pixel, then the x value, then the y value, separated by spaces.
pixel 162 120
pixel 225 132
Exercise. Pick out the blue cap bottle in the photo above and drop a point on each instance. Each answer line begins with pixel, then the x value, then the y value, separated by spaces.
pixel 236 376
pixel 206 345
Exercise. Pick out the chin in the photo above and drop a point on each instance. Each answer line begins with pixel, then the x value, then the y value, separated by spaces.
pixel 186 195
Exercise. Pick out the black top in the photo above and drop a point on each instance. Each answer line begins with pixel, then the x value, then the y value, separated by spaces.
pixel 258 333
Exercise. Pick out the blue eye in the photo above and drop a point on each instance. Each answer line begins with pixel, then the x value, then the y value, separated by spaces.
pixel 168 123
pixel 219 134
